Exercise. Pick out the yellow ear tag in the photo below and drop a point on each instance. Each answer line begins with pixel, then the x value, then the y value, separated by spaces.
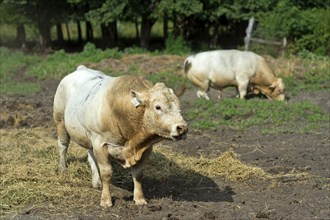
pixel 135 102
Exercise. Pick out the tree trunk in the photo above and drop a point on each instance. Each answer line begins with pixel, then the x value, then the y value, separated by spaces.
pixel 68 32
pixel 21 36
pixel 109 34
pixel 214 36
pixel 165 27
pixel 59 32
pixel 113 32
pixel 104 33
pixel 79 32
pixel 137 29
pixel 176 26
pixel 146 26
pixel 89 31
pixel 44 34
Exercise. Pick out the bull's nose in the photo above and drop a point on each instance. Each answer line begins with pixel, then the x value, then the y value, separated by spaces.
pixel 182 129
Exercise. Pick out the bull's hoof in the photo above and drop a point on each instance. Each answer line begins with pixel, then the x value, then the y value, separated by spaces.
pixel 140 202
pixel 106 204
pixel 63 171
pixel 97 185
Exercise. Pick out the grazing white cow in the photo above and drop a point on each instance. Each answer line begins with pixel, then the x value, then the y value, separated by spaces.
pixel 116 118
pixel 247 71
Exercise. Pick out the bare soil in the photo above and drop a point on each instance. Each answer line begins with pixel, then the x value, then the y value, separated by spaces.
pixel 210 198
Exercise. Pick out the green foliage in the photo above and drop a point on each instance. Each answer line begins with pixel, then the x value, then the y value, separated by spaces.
pixel 182 7
pixel 135 50
pixel 317 39
pixel 109 11
pixel 176 46
pixel 305 28
pixel 60 63
pixel 239 114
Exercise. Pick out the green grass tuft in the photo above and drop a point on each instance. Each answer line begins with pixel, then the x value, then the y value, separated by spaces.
pixel 241 114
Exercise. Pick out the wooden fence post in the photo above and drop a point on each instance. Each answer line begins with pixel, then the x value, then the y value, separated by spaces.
pixel 247 38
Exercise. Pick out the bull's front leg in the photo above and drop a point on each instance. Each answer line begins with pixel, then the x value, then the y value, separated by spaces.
pixel 137 175
pixel 242 87
pixel 102 157
pixel 96 180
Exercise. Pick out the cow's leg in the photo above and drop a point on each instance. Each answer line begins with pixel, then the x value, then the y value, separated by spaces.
pixel 203 86
pixel 63 144
pixel 219 94
pixel 137 175
pixel 96 181
pixel 237 93
pixel 242 87
pixel 102 158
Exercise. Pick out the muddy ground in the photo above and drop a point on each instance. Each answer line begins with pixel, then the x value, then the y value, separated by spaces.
pixel 210 198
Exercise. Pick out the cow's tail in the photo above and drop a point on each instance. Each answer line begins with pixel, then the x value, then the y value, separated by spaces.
pixel 186 67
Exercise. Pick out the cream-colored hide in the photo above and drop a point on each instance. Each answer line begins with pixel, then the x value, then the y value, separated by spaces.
pixel 247 71
pixel 117 119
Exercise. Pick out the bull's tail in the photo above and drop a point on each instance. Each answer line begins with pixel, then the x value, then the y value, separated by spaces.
pixel 186 67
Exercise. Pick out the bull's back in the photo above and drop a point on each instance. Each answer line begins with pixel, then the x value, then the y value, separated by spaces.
pixel 76 96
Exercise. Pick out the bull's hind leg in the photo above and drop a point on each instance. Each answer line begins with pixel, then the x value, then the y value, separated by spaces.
pixel 203 86
pixel 63 144
pixel 96 181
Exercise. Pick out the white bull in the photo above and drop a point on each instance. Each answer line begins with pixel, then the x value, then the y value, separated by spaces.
pixel 116 118
pixel 247 71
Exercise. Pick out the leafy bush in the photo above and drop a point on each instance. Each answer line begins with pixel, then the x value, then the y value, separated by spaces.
pixel 176 46
pixel 306 29
pixel 135 50
pixel 317 39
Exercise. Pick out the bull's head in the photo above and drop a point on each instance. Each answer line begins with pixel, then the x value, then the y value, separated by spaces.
pixel 276 91
pixel 162 114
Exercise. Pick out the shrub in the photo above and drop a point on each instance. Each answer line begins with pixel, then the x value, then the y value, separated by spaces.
pixel 177 46
pixel 305 28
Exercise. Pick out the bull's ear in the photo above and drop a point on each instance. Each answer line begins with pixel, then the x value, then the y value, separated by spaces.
pixel 137 98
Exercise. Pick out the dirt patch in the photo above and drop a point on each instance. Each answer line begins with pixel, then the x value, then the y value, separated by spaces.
pixel 291 197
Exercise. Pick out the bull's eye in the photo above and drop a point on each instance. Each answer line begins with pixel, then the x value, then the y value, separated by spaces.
pixel 158 108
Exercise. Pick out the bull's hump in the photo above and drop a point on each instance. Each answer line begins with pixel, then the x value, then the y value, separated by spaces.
pixel 81 67
pixel 128 82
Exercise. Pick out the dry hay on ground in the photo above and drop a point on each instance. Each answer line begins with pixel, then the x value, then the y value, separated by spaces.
pixel 29 160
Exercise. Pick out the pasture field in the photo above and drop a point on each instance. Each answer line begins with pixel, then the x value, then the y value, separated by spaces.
pixel 242 159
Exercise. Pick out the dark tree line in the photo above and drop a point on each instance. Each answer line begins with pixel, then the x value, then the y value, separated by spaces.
pixel 209 20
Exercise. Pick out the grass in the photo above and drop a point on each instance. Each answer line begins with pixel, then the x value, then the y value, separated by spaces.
pixel 232 113
pixel 12 67
pixel 239 114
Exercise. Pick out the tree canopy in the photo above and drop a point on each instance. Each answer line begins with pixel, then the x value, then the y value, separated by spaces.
pixel 304 23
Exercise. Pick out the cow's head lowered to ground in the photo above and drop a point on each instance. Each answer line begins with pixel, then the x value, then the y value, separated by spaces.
pixel 245 70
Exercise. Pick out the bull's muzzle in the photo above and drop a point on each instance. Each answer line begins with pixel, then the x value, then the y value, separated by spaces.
pixel 181 132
